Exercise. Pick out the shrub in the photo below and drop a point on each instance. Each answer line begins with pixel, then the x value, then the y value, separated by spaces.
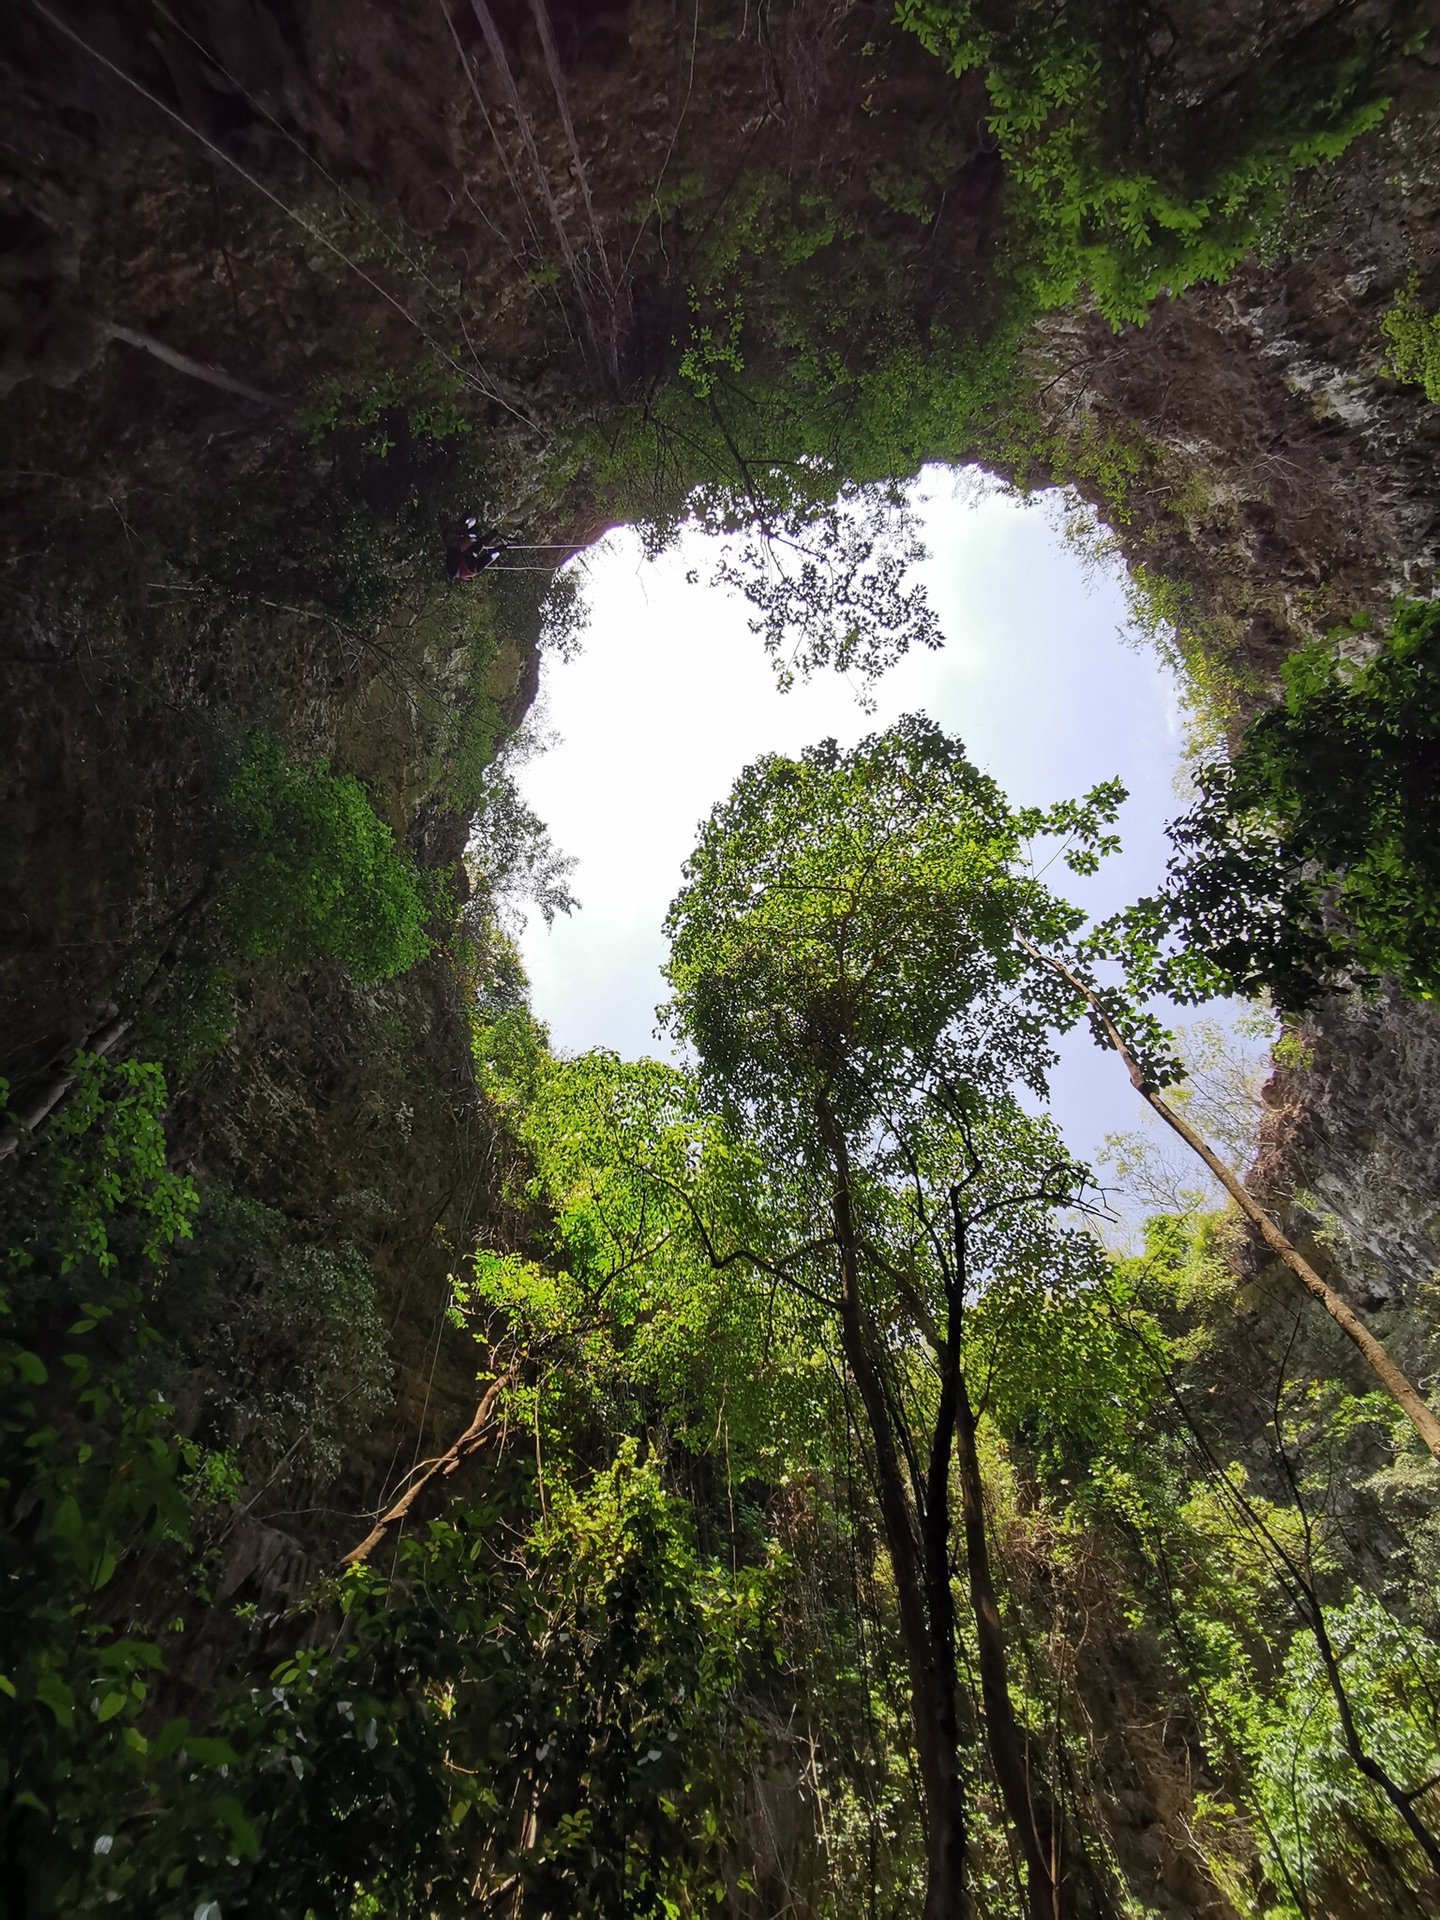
pixel 100 1169
pixel 322 874
pixel 285 1336
pixel 106 1805
pixel 377 402
pixel 1124 173
pixel 1312 859
pixel 1413 339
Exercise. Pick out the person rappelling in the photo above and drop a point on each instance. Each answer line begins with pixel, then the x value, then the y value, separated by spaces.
pixel 467 554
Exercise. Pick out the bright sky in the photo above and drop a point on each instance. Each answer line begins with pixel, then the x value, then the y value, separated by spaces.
pixel 673 696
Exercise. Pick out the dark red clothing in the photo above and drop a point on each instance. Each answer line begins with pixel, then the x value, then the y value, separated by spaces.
pixel 464 555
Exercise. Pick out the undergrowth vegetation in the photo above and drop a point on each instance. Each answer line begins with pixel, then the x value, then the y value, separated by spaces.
pixel 321 873
pixel 1412 340
pixel 1130 172
pixel 1308 860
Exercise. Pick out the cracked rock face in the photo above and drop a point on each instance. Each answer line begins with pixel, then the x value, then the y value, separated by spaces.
pixel 1272 465
pixel 1354 1144
pixel 1269 465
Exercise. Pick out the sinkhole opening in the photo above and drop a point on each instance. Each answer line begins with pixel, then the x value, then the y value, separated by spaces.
pixel 1044 674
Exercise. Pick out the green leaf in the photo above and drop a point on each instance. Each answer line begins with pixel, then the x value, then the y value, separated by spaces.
pixel 31 1367
pixel 52 1691
pixel 170 1737
pixel 66 1522
pixel 112 1704
pixel 242 1833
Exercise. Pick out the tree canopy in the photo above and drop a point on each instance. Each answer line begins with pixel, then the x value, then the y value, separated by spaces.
pixel 1308 862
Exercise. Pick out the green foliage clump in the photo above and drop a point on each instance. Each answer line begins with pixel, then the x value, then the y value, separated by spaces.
pixel 637 1312
pixel 843 911
pixel 282 1337
pixel 322 874
pixel 1124 176
pixel 563 615
pixel 1312 858
pixel 373 405
pixel 93 1482
pixel 829 394
pixel 553 1702
pixel 1412 338
pixel 106 1163
pixel 115 1156
pixel 1317 1804
pixel 554 1723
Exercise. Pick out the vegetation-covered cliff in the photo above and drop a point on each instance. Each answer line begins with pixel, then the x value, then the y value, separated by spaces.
pixel 443 1478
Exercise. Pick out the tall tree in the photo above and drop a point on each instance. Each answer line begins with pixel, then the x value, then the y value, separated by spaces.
pixel 845 962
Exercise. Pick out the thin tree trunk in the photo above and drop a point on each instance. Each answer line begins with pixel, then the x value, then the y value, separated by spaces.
pixel 940 1597
pixel 936 1734
pixel 526 130
pixel 1377 1358
pixel 1031 1818
pixel 557 84
pixel 1029 1813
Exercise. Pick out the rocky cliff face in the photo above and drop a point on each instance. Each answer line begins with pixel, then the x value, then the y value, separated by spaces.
pixel 1247 442
pixel 254 182
pixel 1252 452
pixel 1351 1148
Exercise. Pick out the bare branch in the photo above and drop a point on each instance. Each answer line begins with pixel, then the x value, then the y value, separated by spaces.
pixel 1376 1356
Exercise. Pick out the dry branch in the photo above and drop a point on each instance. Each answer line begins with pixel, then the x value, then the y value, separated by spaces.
pixel 526 130
pixel 1375 1354
pixel 182 363
pixel 437 1469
